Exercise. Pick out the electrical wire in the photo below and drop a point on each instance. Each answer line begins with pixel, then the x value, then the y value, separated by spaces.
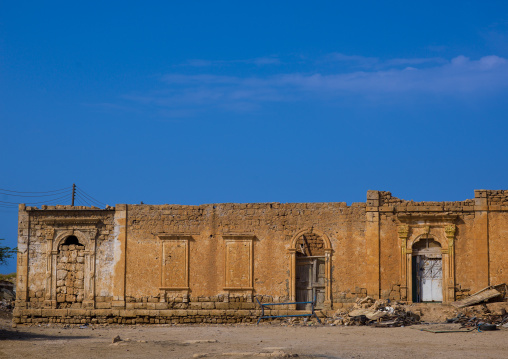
pixel 54 196
pixel 40 195
pixel 63 199
pixel 8 206
pixel 43 202
pixel 57 190
pixel 82 200
pixel 86 200
pixel 86 195
pixel 90 197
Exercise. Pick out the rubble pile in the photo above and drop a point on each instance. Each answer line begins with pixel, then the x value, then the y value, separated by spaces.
pixel 481 317
pixel 7 297
pixel 6 306
pixel 378 313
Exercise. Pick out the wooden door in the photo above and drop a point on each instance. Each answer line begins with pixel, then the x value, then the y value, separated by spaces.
pixel 319 284
pixel 428 279
pixel 310 281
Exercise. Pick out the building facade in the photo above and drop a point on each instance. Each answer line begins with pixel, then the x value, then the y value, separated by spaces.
pixel 209 263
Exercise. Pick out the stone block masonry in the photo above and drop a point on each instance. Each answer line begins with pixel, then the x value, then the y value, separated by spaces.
pixel 208 263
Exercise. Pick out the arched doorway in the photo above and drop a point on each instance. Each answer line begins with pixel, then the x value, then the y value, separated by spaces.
pixel 311 269
pixel 427 270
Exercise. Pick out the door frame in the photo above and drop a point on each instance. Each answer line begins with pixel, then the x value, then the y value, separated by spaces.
pixel 441 229
pixel 313 285
pixel 417 279
pixel 328 265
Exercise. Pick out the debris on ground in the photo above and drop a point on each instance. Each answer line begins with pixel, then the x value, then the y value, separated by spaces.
pixel 483 295
pixel 378 313
pixel 7 298
pixel 443 328
pixel 6 308
pixel 481 317
pixel 7 294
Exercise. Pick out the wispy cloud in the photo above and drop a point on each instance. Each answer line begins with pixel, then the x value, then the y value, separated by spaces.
pixel 459 76
pixel 258 61
pixel 354 60
pixel 377 63
pixel 415 61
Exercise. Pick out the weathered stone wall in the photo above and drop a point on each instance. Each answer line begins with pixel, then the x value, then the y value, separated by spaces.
pixel 273 225
pixel 56 273
pixel 152 263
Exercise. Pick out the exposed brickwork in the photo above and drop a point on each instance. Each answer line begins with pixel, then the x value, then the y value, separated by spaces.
pixel 70 276
pixel 310 244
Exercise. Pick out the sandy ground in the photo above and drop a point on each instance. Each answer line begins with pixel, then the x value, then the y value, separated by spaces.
pixel 244 341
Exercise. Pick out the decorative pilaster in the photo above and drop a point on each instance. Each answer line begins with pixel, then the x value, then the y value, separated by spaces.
pixel 120 256
pixel 22 257
pixel 372 248
pixel 450 235
pixel 48 302
pixel 480 237
pixel 403 232
pixel 328 281
pixel 89 284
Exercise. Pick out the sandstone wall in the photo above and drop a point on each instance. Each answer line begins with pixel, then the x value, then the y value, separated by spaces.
pixel 272 227
pixel 172 263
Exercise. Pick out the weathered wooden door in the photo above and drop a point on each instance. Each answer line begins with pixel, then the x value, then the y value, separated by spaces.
pixel 310 281
pixel 428 278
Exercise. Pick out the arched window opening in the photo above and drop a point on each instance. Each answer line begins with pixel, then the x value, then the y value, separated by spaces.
pixel 71 240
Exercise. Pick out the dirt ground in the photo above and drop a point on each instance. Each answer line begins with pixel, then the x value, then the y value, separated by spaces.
pixel 244 341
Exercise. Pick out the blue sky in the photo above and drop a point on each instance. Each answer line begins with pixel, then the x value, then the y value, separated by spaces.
pixel 289 101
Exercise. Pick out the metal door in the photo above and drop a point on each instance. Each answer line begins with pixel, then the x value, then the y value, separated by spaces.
pixel 429 278
pixel 310 281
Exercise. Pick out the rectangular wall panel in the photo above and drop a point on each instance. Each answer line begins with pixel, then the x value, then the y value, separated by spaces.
pixel 174 264
pixel 238 263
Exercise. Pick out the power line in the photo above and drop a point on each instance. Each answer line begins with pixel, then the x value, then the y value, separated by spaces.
pixel 64 194
pixel 7 206
pixel 40 195
pixel 86 200
pixel 83 200
pixel 52 200
pixel 57 190
pixel 90 197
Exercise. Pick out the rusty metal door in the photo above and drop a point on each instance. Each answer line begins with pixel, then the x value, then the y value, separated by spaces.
pixel 310 281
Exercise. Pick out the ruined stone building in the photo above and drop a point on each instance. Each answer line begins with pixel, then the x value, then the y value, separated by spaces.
pixel 208 263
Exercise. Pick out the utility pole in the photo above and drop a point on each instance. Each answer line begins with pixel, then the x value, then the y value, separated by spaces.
pixel 73 193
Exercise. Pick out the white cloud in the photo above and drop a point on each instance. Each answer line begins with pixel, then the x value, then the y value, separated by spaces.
pixel 415 61
pixel 355 60
pixel 258 61
pixel 376 63
pixel 459 76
